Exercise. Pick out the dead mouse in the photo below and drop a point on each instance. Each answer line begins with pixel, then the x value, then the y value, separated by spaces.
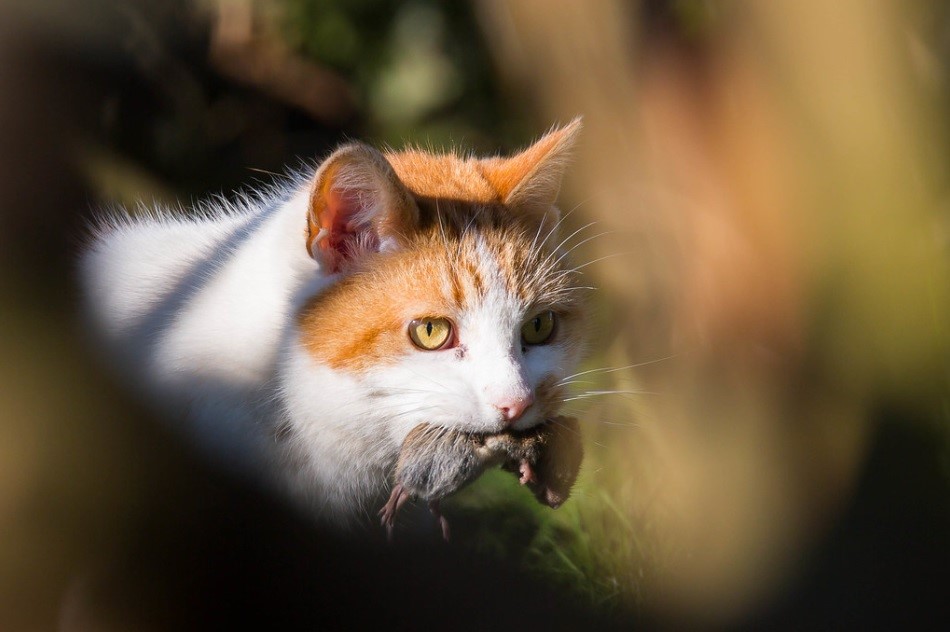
pixel 435 462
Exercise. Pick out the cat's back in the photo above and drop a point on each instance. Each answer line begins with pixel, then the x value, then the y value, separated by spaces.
pixel 134 261
pixel 204 295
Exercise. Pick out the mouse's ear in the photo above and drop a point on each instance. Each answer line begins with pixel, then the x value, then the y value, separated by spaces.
pixel 529 181
pixel 357 205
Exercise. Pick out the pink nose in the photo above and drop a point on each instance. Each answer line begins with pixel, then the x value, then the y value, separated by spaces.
pixel 513 408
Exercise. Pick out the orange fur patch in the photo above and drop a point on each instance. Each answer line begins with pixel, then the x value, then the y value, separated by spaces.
pixel 361 321
pixel 444 176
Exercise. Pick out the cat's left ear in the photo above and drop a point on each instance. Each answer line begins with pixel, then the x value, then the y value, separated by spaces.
pixel 530 180
pixel 357 205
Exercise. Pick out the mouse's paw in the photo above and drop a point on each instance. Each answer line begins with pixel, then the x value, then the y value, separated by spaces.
pixel 527 473
pixel 436 510
pixel 387 514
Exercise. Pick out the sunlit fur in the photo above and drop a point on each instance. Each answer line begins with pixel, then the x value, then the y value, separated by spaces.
pixel 234 323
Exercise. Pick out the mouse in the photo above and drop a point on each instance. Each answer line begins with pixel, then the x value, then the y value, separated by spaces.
pixel 435 462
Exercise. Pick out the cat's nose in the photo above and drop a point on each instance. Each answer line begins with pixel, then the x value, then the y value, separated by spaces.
pixel 512 409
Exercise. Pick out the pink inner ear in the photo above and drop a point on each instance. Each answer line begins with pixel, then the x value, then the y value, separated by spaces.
pixel 347 238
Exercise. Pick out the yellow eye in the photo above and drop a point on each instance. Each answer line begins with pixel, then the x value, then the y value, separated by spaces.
pixel 538 330
pixel 430 333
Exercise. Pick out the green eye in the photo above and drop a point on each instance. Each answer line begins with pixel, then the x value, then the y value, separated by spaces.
pixel 430 333
pixel 538 330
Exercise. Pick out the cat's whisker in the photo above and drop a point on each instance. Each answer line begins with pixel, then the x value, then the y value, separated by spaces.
pixel 568 238
pixel 445 389
pixel 621 391
pixel 623 380
pixel 471 220
pixel 565 426
pixel 572 382
pixel 598 260
pixel 576 432
pixel 619 424
pixel 534 242
pixel 563 274
pixel 585 419
pixel 438 215
pixel 414 410
pixel 556 225
pixel 581 243
pixel 378 407
pixel 590 394
pixel 600 420
pixel 628 398
pixel 427 377
pixel 382 391
pixel 621 368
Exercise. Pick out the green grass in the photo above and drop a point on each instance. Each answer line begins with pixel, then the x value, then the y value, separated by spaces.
pixel 588 546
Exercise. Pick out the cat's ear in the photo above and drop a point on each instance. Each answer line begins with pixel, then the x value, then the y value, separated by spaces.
pixel 357 205
pixel 530 180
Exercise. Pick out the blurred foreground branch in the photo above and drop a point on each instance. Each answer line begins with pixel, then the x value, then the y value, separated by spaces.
pixel 773 190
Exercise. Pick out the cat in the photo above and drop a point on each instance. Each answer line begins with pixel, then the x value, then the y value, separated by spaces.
pixel 304 331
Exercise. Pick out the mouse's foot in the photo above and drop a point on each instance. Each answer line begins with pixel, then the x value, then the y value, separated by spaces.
pixel 397 499
pixel 437 512
pixel 527 473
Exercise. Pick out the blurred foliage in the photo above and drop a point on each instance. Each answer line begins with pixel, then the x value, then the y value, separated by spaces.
pixel 420 68
pixel 419 71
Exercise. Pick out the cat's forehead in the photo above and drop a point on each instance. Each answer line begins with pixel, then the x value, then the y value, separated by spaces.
pixel 486 273
pixel 445 272
pixel 491 266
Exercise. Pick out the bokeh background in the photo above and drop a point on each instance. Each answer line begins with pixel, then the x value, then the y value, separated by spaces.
pixel 766 409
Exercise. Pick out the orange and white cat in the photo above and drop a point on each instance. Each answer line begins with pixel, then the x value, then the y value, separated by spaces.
pixel 308 330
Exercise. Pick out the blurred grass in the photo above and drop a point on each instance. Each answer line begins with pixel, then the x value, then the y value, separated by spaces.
pixel 587 546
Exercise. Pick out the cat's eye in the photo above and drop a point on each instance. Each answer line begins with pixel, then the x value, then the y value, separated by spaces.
pixel 538 330
pixel 430 333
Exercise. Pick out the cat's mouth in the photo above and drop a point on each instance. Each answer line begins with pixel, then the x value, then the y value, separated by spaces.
pixel 531 417
pixel 549 396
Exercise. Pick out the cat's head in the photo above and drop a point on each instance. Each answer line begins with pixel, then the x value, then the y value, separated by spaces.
pixel 454 303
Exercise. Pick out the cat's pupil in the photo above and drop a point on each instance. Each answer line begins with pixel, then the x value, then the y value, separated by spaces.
pixel 537 324
pixel 429 328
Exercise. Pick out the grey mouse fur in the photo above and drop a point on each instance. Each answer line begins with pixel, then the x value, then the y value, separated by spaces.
pixel 435 462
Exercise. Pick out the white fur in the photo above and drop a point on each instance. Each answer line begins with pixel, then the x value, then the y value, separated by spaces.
pixel 201 314
pixel 194 310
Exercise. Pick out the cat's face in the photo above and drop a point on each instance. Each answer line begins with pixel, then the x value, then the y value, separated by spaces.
pixel 473 331
pixel 455 307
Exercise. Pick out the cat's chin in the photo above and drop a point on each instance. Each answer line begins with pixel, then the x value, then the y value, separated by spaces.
pixel 529 420
pixel 476 427
pixel 494 426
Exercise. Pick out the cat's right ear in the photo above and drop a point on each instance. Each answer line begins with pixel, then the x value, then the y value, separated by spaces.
pixel 529 181
pixel 357 205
